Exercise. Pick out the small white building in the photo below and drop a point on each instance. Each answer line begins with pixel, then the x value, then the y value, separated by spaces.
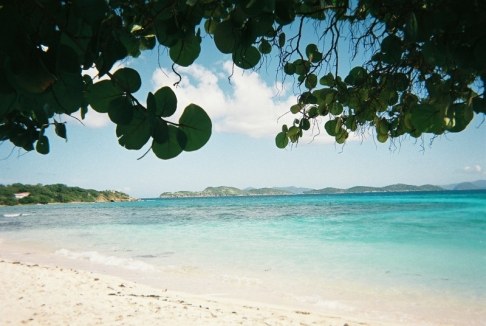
pixel 21 195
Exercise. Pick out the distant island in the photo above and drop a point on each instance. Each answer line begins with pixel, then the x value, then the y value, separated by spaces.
pixel 18 194
pixel 223 191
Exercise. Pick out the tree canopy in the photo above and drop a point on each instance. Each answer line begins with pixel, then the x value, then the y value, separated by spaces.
pixel 424 73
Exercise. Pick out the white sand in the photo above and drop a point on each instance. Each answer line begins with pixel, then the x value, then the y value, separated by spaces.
pixel 49 295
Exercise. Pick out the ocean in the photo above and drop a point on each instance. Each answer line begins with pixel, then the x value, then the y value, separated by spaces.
pixel 416 258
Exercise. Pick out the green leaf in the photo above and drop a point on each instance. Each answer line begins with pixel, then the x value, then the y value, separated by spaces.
pixel 336 108
pixel 330 127
pixel 289 68
pixel 296 108
pixel 462 115
pixel 128 79
pixel 400 82
pixel 225 37
pixel 302 67
pixel 357 76
pixel 160 132
pixel 165 102
pixel 60 129
pixel 426 117
pixel 294 133
pixel 411 28
pixel 246 58
pixel 173 146
pixel 391 47
pixel 186 50
pixel 479 105
pixel 341 136
pixel 313 53
pixel 196 125
pixel 101 94
pixel 281 40
pixel 42 145
pixel 135 134
pixel 121 110
pixel 265 47
pixel 281 140
pixel 305 124
pixel 311 81
pixel 327 80
pixel 68 91
pixel 92 11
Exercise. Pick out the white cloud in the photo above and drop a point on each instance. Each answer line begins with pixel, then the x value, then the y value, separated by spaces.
pixel 246 104
pixel 474 169
pixel 92 119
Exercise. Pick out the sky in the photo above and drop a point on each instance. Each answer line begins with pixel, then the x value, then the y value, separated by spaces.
pixel 247 111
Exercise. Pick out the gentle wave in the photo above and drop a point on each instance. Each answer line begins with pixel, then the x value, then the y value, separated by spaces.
pixel 16 214
pixel 96 257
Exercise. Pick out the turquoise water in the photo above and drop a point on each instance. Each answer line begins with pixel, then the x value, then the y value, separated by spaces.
pixel 434 242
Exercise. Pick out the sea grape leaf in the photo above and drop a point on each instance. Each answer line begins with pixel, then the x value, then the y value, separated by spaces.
pixel 246 58
pixel 165 102
pixel 281 140
pixel 128 79
pixel 42 145
pixel 121 110
pixel 225 37
pixel 68 92
pixel 265 47
pixel 160 132
pixel 60 129
pixel 173 146
pixel 186 50
pixel 311 81
pixel 135 134
pixel 101 94
pixel 196 125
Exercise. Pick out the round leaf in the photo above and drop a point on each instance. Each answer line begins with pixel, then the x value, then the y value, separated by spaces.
pixel 42 145
pixel 225 37
pixel 265 47
pixel 196 124
pixel 281 140
pixel 311 81
pixel 101 94
pixel 186 50
pixel 174 145
pixel 128 79
pixel 165 102
pixel 246 58
pixel 135 134
pixel 121 110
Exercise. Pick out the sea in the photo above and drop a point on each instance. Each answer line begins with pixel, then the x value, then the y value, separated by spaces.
pixel 416 258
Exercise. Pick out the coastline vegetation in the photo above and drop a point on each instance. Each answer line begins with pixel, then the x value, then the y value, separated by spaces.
pixel 18 193
pixel 223 191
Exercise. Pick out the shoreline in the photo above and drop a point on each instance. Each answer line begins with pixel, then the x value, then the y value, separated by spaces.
pixel 36 283
pixel 47 294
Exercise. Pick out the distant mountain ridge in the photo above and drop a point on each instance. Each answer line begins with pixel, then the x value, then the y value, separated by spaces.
pixel 472 185
pixel 364 189
pixel 222 191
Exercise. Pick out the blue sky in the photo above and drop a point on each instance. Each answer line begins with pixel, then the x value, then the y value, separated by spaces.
pixel 246 114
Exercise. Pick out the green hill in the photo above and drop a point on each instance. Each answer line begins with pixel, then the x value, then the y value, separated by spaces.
pixel 223 191
pixel 18 193
pixel 363 189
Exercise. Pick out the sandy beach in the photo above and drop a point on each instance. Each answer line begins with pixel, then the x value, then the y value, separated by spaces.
pixel 50 295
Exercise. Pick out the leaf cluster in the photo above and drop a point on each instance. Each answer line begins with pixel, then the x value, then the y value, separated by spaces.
pixel 425 73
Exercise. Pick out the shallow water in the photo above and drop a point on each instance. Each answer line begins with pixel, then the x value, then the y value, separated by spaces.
pixel 338 252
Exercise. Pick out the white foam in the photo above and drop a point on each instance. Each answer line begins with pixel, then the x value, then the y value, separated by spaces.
pixel 12 215
pixel 96 257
